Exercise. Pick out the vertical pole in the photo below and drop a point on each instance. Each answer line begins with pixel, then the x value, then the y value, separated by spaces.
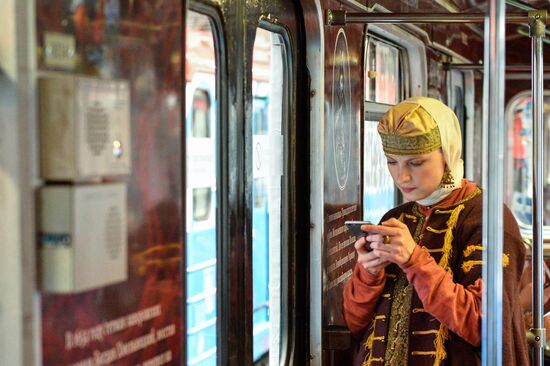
pixel 537 19
pixel 493 184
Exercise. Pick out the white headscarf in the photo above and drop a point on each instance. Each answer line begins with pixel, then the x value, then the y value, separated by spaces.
pixel 451 142
pixel 451 145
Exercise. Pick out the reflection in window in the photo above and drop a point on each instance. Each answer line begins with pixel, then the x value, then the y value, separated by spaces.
pixel 201 162
pixel 259 192
pixel 383 72
pixel 458 104
pixel 202 199
pixel 519 159
pixel 200 113
pixel 268 89
pixel 378 187
pixel 457 98
pixel 259 119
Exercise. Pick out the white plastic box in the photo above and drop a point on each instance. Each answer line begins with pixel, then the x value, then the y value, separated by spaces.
pixel 84 127
pixel 83 236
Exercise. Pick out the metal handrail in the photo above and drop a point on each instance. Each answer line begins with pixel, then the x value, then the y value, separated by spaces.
pixel 537 20
pixel 342 17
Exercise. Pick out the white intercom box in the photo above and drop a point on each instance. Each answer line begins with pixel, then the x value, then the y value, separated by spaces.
pixel 83 236
pixel 84 127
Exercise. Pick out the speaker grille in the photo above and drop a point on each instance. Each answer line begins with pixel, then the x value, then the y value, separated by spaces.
pixel 97 128
pixel 113 232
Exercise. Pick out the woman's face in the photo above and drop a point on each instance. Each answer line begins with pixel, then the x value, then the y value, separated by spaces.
pixel 417 176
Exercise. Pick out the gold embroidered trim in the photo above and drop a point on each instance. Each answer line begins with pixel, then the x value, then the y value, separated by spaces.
pixel 448 241
pixel 408 216
pixel 411 145
pixel 386 295
pixel 380 317
pixel 470 196
pixel 443 333
pixel 434 250
pixel 429 228
pixel 398 327
pixel 423 332
pixel 371 360
pixel 472 248
pixel 467 198
pixel 439 211
pixel 443 212
pixel 369 343
pixel 418 310
pixel 439 343
pixel 468 265
pixel 370 339
pixel 423 353
pixel 421 218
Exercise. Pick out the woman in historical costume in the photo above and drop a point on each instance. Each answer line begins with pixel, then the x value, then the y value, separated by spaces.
pixel 415 294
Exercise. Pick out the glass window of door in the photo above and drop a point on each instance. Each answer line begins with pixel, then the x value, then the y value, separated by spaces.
pixel 383 88
pixel 201 182
pixel 268 149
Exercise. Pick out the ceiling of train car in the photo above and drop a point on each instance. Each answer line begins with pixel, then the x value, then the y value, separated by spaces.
pixel 466 5
pixel 537 4
pixel 518 43
pixel 512 5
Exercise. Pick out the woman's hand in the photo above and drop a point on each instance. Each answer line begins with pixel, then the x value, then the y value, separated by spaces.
pixel 367 258
pixel 391 241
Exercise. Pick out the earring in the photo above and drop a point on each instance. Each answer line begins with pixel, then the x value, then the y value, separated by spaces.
pixel 447 181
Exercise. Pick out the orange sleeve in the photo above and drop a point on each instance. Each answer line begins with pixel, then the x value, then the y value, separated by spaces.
pixel 454 305
pixel 360 297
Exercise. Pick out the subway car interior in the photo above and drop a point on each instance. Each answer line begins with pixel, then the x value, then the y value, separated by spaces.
pixel 175 175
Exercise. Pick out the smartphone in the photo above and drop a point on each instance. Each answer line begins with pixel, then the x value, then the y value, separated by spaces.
pixel 355 227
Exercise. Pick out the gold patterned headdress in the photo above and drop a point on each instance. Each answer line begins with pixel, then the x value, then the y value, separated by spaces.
pixel 408 129
pixel 420 125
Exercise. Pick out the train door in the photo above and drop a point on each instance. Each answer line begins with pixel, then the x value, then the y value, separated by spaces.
pixel 246 155
pixel 273 141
